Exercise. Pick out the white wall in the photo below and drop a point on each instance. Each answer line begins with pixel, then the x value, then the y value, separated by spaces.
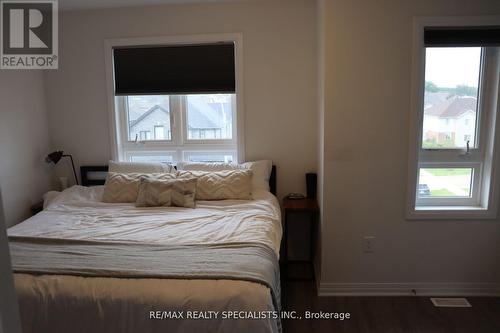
pixel 24 142
pixel 279 55
pixel 368 51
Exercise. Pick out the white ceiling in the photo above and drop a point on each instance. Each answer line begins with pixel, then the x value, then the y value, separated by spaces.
pixel 91 4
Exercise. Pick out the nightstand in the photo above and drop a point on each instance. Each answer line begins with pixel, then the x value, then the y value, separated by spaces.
pixel 299 211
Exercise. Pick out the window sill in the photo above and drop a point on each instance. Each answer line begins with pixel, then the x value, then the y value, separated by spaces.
pixel 424 208
pixel 450 213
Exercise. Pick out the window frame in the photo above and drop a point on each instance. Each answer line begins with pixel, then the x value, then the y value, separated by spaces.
pixel 456 157
pixel 121 146
pixel 484 202
pixel 187 153
pixel 130 153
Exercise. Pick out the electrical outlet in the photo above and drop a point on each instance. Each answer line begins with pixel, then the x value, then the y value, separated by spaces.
pixel 369 244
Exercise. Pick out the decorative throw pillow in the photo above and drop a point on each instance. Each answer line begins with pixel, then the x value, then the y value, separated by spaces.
pixel 171 192
pixel 260 176
pixel 124 187
pixel 221 185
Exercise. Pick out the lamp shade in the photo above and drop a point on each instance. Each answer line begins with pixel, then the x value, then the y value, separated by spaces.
pixel 54 157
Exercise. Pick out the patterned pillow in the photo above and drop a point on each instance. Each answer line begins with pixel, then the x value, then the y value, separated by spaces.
pixel 170 192
pixel 260 176
pixel 124 187
pixel 221 185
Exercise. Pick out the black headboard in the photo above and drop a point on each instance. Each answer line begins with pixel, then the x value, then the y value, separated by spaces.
pixel 96 175
pixel 93 175
pixel 272 181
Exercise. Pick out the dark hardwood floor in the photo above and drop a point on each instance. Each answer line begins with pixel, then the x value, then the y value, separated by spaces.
pixel 389 314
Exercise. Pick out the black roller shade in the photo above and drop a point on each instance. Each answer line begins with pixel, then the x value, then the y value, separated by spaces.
pixel 186 69
pixel 462 36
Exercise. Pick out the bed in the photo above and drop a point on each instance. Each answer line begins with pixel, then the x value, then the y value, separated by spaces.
pixel 82 265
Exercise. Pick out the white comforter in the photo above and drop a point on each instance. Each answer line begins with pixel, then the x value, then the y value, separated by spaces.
pixel 121 305
pixel 78 213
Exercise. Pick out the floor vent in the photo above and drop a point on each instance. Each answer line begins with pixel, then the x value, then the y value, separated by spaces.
pixel 451 302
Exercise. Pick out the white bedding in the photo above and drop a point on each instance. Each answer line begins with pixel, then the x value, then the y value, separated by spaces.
pixel 78 213
pixel 122 305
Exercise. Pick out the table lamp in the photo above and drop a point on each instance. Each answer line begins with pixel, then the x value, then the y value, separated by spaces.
pixel 56 156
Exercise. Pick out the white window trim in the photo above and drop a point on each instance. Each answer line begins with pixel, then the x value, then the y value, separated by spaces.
pixel 202 152
pixel 237 38
pixel 489 193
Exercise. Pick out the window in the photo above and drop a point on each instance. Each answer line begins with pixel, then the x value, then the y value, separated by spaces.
pixel 145 135
pixel 145 115
pixel 202 127
pixel 214 122
pixel 456 111
pixel 452 77
pixel 175 98
pixel 160 132
pixel 445 182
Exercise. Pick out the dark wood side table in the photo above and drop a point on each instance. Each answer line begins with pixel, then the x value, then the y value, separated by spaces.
pixel 299 211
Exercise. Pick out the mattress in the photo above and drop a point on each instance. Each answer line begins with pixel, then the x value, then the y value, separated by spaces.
pixel 104 304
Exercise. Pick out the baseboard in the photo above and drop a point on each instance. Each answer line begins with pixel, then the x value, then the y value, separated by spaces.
pixel 406 289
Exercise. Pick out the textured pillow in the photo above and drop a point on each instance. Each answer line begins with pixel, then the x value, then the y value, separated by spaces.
pixel 261 170
pixel 221 185
pixel 140 167
pixel 124 187
pixel 171 192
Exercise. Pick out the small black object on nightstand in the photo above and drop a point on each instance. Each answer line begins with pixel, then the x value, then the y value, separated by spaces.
pixel 299 211
pixel 36 208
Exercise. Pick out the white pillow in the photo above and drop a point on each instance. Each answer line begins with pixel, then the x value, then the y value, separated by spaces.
pixel 49 197
pixel 139 167
pixel 261 170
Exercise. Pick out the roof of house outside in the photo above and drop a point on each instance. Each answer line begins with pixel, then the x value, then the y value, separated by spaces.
pixel 146 114
pixel 201 115
pixel 453 107
pixel 434 98
pixel 206 115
